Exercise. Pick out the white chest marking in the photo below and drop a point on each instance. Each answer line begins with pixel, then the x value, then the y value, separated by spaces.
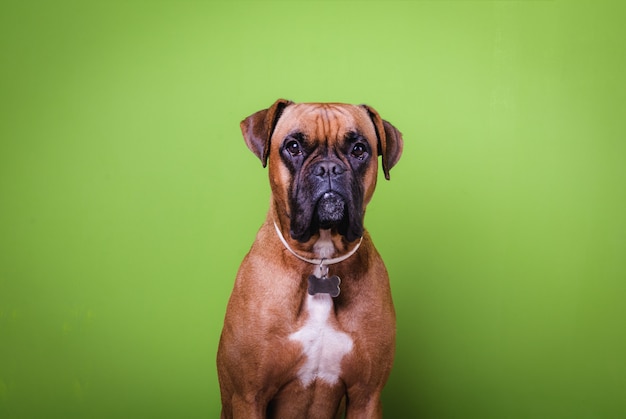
pixel 324 347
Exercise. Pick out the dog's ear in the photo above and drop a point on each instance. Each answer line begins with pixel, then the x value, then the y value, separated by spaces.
pixel 390 142
pixel 257 129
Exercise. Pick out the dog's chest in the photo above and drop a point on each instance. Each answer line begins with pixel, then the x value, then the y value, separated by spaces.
pixel 323 346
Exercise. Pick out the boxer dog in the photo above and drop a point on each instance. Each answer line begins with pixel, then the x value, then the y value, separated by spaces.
pixel 309 330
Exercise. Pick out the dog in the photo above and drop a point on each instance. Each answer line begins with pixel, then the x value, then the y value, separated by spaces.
pixel 309 330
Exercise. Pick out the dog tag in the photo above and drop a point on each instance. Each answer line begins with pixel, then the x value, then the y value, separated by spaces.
pixel 324 285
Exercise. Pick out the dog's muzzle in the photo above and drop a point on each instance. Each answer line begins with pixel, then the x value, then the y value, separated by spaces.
pixel 330 209
pixel 329 198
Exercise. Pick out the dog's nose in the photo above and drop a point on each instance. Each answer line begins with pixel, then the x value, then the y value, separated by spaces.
pixel 329 168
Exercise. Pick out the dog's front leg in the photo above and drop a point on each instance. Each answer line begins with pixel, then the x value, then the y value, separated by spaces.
pixel 243 407
pixel 364 406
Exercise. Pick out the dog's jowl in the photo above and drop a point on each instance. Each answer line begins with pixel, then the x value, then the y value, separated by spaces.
pixel 310 326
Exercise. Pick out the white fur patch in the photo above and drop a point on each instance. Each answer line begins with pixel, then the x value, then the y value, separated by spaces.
pixel 324 347
pixel 324 246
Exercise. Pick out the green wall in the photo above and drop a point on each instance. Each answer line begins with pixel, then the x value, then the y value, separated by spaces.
pixel 128 197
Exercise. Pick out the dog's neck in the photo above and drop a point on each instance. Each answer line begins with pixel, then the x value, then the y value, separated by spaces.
pixel 321 249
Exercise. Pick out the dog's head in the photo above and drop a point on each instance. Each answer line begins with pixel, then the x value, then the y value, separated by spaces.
pixel 323 160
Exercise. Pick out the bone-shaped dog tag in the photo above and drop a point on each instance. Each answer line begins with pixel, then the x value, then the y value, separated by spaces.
pixel 324 285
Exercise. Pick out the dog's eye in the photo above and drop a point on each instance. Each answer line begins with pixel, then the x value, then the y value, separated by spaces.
pixel 293 147
pixel 359 150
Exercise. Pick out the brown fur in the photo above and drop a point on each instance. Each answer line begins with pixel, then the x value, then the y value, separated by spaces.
pixel 257 363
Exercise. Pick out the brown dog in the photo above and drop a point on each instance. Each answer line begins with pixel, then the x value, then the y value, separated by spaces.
pixel 298 342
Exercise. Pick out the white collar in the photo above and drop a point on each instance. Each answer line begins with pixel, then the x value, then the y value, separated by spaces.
pixel 324 262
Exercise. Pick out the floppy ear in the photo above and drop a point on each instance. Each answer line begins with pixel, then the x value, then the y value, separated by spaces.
pixel 257 129
pixel 390 141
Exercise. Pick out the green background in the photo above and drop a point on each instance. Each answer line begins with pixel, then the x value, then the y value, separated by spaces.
pixel 128 197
